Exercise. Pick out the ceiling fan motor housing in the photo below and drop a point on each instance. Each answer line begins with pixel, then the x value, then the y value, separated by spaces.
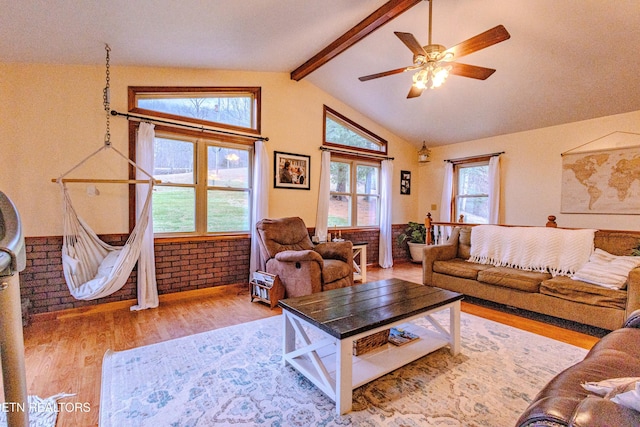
pixel 436 52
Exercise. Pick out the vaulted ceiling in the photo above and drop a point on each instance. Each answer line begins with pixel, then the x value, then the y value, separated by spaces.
pixel 566 60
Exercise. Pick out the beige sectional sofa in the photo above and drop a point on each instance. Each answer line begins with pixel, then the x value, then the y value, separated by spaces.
pixel 447 266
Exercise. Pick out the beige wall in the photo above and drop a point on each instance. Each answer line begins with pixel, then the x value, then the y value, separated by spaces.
pixel 51 117
pixel 531 171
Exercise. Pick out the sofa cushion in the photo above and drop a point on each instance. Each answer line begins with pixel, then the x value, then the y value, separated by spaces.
pixel 459 268
pixel 464 243
pixel 616 243
pixel 527 281
pixel 586 293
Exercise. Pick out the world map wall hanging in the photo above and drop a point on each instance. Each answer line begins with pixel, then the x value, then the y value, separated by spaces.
pixel 604 181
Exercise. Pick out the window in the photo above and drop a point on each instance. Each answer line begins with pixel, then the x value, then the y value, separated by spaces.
pixel 341 132
pixel 354 194
pixel 226 107
pixel 205 178
pixel 355 172
pixel 471 197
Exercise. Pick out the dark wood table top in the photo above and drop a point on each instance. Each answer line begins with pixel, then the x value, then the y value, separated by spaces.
pixel 349 311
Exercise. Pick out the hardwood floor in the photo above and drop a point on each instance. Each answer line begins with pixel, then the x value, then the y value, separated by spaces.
pixel 64 350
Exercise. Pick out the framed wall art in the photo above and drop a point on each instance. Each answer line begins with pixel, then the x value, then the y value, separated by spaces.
pixel 405 182
pixel 291 171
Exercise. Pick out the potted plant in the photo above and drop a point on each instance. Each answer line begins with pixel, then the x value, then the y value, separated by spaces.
pixel 415 236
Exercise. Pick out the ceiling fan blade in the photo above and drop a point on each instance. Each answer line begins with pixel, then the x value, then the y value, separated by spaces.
pixel 414 92
pixel 472 71
pixel 488 38
pixel 411 43
pixel 383 74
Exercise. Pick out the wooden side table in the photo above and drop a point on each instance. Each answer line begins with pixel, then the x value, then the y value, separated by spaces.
pixel 360 268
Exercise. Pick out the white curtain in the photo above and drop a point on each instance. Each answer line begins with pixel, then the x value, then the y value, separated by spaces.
pixel 447 193
pixel 259 203
pixel 385 258
pixel 494 190
pixel 322 216
pixel 147 285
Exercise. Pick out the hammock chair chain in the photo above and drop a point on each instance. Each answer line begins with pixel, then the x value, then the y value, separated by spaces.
pixel 106 102
pixel 106 98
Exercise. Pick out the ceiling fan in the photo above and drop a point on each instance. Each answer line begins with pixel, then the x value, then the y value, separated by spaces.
pixel 434 62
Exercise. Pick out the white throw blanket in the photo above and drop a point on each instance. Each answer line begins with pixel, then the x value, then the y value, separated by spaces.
pixel 558 251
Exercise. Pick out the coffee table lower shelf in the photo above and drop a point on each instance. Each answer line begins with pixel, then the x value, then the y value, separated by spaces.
pixel 329 364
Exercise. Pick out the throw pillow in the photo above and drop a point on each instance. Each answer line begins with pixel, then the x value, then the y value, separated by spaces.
pixel 605 269
pixel 604 387
pixel 108 263
pixel 623 391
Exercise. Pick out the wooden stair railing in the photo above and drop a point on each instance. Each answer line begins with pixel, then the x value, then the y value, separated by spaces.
pixel 439 232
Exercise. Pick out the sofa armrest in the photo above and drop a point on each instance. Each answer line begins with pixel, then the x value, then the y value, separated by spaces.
pixel 633 292
pixel 591 411
pixel 298 256
pixel 633 320
pixel 434 253
pixel 342 251
pixel 597 411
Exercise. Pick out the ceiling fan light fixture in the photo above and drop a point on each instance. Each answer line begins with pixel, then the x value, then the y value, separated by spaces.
pixel 446 56
pixel 421 79
pixel 440 74
pixel 432 76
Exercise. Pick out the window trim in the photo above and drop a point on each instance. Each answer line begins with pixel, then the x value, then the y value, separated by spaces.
pixel 354 127
pixel 254 91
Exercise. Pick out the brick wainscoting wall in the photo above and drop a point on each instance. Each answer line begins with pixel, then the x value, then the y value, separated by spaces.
pixel 180 266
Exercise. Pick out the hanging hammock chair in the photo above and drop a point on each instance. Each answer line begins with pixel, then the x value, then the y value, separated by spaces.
pixel 92 268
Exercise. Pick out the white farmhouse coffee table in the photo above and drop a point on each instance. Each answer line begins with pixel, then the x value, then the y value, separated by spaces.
pixel 337 318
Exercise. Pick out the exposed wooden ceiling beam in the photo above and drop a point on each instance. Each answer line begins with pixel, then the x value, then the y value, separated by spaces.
pixel 377 19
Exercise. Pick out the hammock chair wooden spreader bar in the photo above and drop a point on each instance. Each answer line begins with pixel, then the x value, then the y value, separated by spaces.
pixel 107 145
pixel 106 181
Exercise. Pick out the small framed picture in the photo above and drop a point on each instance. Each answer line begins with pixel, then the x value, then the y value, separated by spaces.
pixel 291 171
pixel 405 182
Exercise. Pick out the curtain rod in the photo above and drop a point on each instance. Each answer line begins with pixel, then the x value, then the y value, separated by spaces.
pixel 355 153
pixel 473 157
pixel 200 128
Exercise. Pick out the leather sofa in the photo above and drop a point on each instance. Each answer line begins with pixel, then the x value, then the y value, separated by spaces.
pixel 446 266
pixel 563 402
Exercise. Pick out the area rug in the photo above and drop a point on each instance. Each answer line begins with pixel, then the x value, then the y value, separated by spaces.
pixel 43 412
pixel 235 377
